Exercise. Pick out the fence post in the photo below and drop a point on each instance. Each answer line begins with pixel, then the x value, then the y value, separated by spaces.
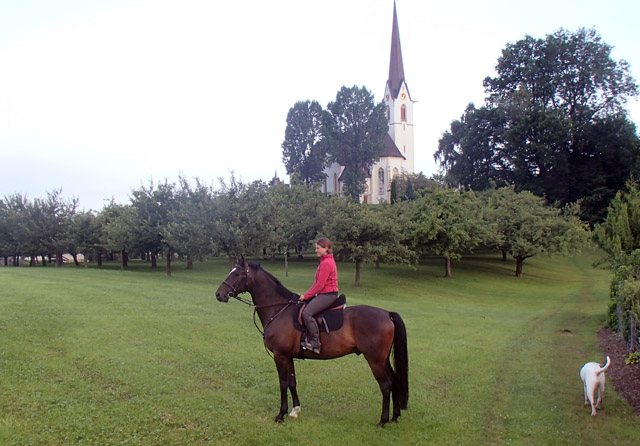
pixel 620 320
pixel 633 335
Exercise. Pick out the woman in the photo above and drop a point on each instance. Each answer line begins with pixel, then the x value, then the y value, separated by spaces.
pixel 321 295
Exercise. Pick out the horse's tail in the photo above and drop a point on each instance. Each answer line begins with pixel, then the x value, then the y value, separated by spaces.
pixel 400 359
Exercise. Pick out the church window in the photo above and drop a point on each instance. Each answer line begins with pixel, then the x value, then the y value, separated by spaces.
pixel 403 113
pixel 336 184
pixel 381 181
pixel 388 114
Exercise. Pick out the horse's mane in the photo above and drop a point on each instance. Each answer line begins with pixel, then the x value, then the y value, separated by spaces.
pixel 280 288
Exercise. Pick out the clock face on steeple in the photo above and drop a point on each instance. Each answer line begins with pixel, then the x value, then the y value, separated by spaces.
pixel 403 95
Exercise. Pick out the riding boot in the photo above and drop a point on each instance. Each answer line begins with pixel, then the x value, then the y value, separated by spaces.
pixel 313 338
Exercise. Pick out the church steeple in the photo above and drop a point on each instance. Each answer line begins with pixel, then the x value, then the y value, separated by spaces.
pixel 396 67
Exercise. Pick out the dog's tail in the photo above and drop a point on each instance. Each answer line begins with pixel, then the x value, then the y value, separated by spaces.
pixel 606 366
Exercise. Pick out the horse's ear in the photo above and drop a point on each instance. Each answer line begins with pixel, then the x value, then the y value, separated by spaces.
pixel 242 262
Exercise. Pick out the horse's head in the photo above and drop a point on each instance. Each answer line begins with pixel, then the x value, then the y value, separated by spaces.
pixel 236 282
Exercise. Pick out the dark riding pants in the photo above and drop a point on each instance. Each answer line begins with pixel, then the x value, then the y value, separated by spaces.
pixel 316 305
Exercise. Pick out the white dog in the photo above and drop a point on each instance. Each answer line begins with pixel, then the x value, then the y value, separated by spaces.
pixel 592 375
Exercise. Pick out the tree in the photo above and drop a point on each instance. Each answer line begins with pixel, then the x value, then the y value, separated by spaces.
pixel 154 204
pixel 529 227
pixel 304 153
pixel 404 187
pixel 86 234
pixel 120 229
pixel 13 232
pixel 446 222
pixel 554 123
pixel 361 234
pixel 620 232
pixel 355 128
pixel 188 227
pixel 237 227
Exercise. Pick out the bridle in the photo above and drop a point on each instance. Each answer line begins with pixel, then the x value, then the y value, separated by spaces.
pixel 233 293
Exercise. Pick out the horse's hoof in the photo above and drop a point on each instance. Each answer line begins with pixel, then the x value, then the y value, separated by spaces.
pixel 279 418
pixel 294 412
pixel 381 424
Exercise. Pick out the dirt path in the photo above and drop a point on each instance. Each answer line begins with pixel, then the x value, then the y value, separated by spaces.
pixel 625 379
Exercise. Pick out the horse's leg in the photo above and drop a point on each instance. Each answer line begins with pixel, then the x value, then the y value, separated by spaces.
pixel 394 393
pixel 385 381
pixel 282 364
pixel 294 392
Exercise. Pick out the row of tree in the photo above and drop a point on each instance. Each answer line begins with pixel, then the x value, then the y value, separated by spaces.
pixel 196 221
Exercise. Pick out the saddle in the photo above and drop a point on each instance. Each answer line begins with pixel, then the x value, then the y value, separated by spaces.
pixel 328 320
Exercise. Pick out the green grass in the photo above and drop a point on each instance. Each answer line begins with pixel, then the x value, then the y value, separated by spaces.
pixel 99 356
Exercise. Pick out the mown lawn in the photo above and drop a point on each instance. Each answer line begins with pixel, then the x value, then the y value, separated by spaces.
pixel 99 356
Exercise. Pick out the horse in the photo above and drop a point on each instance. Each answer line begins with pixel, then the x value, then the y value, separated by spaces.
pixel 370 331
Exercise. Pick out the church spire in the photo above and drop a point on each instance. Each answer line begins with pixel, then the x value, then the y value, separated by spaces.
pixel 396 68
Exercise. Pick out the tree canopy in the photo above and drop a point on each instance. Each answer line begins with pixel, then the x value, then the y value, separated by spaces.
pixel 355 127
pixel 553 123
pixel 303 150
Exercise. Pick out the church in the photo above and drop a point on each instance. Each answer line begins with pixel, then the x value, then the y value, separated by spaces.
pixel 398 155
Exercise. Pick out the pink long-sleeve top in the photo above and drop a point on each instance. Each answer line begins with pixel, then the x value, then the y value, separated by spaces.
pixel 326 280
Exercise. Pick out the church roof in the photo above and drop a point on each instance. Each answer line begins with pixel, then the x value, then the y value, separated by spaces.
pixel 390 148
pixel 396 67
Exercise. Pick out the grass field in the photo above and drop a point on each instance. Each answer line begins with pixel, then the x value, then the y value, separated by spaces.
pixel 99 356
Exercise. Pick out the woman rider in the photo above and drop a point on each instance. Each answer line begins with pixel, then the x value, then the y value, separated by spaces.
pixel 321 295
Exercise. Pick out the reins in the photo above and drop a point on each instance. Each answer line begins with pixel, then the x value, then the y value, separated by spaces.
pixel 234 294
pixel 255 311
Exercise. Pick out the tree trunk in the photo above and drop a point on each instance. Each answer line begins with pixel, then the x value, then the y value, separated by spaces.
pixel 59 259
pixel 357 283
pixel 100 259
pixel 273 255
pixel 447 267
pixel 86 259
pixel 123 261
pixel 504 255
pixel 519 261
pixel 75 258
pixel 154 260
pixel 169 264
pixel 377 264
pixel 189 262
pixel 286 263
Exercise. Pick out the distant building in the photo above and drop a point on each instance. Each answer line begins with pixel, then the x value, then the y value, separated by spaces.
pixel 398 155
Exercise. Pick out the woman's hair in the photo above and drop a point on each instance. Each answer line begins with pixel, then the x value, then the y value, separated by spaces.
pixel 325 243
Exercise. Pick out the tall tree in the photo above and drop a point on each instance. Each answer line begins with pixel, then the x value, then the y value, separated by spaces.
pixel 303 150
pixel 554 123
pixel 355 127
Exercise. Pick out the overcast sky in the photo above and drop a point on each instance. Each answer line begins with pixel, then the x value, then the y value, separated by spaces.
pixel 100 96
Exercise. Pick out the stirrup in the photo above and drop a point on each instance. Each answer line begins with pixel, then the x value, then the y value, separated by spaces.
pixel 308 346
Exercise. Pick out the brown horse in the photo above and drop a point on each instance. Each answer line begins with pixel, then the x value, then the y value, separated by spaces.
pixel 367 330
